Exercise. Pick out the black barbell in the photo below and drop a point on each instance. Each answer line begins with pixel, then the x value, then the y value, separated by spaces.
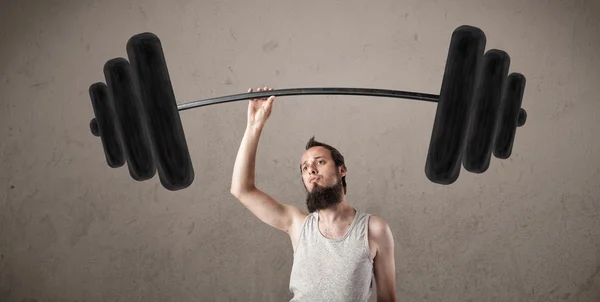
pixel 479 109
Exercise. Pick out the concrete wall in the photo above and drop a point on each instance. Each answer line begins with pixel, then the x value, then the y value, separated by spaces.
pixel 73 229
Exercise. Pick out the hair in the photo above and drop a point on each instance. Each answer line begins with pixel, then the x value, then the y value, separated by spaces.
pixel 337 157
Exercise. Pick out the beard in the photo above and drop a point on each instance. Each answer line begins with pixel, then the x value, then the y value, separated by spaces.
pixel 324 197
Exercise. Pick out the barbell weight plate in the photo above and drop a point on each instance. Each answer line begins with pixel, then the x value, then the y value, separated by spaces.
pixel 164 124
pixel 130 113
pixel 94 127
pixel 510 111
pixel 108 126
pixel 452 114
pixel 484 111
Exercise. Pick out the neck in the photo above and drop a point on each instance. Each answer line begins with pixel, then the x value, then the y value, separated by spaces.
pixel 336 214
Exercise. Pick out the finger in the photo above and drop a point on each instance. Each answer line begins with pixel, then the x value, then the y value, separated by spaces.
pixel 249 91
pixel 262 89
pixel 257 90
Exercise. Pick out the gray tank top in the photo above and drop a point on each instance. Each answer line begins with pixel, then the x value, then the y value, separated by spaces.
pixel 332 270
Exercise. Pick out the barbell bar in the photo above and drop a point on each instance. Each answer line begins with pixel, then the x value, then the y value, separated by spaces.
pixel 479 109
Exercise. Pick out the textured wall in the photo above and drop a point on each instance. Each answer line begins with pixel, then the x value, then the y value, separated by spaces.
pixel 73 229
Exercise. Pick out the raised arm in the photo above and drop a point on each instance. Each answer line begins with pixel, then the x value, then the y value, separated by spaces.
pixel 243 186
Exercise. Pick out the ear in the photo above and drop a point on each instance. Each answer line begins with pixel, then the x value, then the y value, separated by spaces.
pixel 343 170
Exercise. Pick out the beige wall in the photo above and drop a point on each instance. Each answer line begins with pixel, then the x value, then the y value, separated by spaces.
pixel 526 230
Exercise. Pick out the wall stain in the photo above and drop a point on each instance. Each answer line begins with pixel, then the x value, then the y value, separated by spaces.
pixel 270 46
pixel 192 228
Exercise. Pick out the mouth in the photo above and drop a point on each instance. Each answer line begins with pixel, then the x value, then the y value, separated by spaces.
pixel 312 180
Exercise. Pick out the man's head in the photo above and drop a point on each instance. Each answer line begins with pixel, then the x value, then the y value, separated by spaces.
pixel 326 165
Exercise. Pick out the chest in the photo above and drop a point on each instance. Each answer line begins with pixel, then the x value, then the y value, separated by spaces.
pixel 332 233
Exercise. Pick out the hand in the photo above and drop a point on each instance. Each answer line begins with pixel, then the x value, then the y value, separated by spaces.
pixel 259 110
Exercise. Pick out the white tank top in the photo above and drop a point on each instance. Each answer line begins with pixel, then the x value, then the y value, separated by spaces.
pixel 332 270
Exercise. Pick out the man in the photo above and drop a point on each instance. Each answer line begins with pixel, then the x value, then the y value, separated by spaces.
pixel 337 249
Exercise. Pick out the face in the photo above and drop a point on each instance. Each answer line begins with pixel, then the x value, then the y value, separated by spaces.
pixel 326 189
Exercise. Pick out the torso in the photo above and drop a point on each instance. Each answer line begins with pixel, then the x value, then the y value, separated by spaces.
pixel 333 233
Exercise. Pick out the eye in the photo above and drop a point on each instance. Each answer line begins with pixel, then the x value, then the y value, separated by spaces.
pixel 321 161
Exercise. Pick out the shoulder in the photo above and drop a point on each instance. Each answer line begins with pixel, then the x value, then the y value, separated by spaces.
pixel 378 225
pixel 379 231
